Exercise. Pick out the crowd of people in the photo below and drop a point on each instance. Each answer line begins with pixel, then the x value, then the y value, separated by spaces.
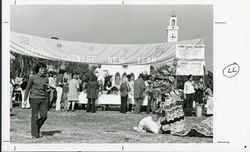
pixel 42 91
pixel 64 88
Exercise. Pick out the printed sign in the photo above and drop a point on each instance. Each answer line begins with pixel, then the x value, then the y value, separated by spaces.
pixel 190 67
pixel 190 51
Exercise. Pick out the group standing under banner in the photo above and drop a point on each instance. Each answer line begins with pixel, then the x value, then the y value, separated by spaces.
pixel 163 96
pixel 153 87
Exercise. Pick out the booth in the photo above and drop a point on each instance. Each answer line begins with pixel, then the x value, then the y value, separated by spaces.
pixel 117 59
pixel 105 99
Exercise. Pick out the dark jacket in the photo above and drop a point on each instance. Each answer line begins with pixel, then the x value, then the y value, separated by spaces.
pixel 92 89
pixel 37 86
pixel 124 89
pixel 59 80
pixel 139 88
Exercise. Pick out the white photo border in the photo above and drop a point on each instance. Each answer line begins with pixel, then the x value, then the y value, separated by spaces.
pixel 230 95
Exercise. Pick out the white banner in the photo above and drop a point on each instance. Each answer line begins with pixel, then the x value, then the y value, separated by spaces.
pixel 190 52
pixel 190 67
pixel 116 54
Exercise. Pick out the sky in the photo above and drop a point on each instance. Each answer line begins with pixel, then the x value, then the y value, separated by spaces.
pixel 115 24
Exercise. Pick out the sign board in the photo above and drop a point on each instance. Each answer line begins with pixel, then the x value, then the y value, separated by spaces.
pixel 189 52
pixel 190 67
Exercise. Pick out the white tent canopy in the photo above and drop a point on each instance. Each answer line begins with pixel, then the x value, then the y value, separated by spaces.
pixel 115 54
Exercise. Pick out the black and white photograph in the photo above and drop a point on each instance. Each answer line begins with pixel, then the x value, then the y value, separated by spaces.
pixel 91 75
pixel 111 74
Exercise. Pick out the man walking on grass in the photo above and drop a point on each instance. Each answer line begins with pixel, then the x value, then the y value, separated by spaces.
pixel 37 87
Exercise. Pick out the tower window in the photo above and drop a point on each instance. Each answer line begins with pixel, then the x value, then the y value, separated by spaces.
pixel 117 79
pixel 173 22
pixel 173 36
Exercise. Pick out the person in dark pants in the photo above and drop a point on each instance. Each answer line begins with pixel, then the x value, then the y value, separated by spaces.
pixel 199 91
pixel 124 89
pixel 37 87
pixel 92 93
pixel 139 87
pixel 188 96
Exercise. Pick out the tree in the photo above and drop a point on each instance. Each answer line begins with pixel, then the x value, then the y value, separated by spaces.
pixel 25 64
pixel 22 64
pixel 78 68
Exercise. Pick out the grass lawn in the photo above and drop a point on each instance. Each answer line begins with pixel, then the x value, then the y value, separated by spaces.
pixel 100 127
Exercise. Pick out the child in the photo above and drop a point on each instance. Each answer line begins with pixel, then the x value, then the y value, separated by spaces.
pixel 150 124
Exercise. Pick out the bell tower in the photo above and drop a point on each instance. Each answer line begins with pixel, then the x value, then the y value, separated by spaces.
pixel 172 29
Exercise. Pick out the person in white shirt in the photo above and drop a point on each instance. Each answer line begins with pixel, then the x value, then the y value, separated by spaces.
pixel 52 90
pixel 25 105
pixel 131 92
pixel 18 81
pixel 99 72
pixel 150 124
pixel 188 96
